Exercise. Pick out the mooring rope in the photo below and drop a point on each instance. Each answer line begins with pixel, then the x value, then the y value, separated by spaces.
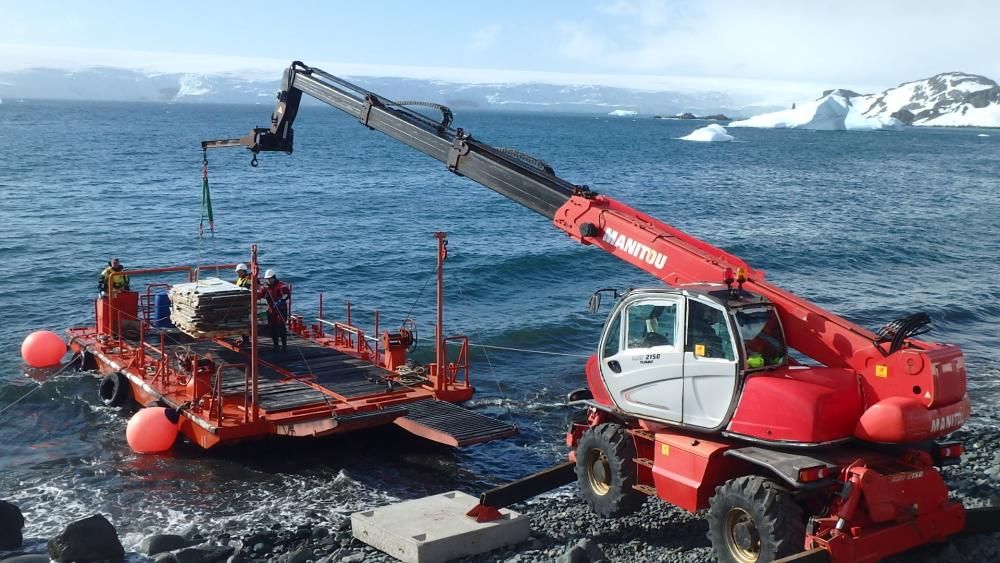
pixel 527 351
pixel 53 376
pixel 493 373
pixel 490 346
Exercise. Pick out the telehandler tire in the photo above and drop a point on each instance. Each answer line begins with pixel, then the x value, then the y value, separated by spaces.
pixel 606 472
pixel 753 519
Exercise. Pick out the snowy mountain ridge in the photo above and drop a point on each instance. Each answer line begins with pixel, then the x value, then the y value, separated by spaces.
pixel 953 99
pixel 950 99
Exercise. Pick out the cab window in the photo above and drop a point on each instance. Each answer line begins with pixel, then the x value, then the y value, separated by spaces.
pixel 612 344
pixel 762 337
pixel 708 332
pixel 651 325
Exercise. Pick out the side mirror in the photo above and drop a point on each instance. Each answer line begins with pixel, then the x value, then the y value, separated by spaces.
pixel 594 303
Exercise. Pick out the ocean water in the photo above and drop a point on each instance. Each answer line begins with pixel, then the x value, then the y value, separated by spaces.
pixel 870 225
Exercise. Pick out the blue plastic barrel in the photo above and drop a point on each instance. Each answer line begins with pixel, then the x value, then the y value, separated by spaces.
pixel 161 311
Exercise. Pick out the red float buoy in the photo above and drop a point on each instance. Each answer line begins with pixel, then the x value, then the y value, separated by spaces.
pixel 151 430
pixel 42 349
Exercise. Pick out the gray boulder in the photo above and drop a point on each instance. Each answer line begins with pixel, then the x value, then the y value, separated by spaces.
pixel 158 543
pixel 190 555
pixel 165 557
pixel 29 558
pixel 297 556
pixel 204 554
pixel 585 551
pixel 90 539
pixel 11 522
pixel 191 531
pixel 213 553
pixel 575 554
pixel 593 551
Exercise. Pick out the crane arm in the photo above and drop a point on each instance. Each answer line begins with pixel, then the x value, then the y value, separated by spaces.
pixel 516 176
pixel 662 250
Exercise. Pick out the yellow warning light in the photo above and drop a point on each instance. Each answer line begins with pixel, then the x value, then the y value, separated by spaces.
pixel 664 449
pixel 699 350
pixel 881 370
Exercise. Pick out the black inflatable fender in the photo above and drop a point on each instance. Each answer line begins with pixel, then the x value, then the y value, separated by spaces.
pixel 114 389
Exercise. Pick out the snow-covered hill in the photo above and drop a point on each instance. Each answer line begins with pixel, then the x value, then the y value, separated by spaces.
pixel 951 99
pixel 948 99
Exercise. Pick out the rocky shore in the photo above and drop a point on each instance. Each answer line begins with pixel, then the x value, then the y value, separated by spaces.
pixel 563 529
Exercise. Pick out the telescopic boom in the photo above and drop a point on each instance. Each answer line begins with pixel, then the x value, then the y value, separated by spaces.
pixel 929 378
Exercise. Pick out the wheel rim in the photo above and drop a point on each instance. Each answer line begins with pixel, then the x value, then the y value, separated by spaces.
pixel 599 471
pixel 742 537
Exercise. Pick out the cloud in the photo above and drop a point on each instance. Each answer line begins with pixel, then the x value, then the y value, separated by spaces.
pixel 650 13
pixel 21 56
pixel 850 43
pixel 485 37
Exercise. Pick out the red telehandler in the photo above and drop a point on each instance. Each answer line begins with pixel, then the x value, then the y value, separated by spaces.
pixel 796 429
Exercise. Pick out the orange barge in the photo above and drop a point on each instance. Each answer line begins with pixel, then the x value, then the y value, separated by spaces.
pixel 333 379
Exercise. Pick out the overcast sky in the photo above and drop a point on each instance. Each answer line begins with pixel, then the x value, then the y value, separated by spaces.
pixel 765 49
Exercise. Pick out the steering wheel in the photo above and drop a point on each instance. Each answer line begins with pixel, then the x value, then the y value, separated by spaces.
pixel 654 339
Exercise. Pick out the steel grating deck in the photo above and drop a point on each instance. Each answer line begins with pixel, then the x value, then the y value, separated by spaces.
pixel 336 371
pixel 463 425
pixel 344 377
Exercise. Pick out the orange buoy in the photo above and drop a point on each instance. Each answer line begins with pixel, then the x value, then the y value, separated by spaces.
pixel 42 349
pixel 151 430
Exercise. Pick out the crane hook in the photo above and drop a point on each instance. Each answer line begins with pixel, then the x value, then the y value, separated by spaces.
pixel 253 161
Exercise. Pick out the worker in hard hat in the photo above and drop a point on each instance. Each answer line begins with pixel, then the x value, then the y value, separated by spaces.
pixel 242 276
pixel 277 295
pixel 113 278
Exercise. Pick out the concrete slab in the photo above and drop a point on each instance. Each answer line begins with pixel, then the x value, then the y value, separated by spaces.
pixel 435 529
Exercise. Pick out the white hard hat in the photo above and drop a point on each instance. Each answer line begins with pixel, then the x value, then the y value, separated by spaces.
pixel 269 273
pixel 242 266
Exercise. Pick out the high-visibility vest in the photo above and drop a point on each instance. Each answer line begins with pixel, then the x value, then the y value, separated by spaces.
pixel 119 280
pixel 244 281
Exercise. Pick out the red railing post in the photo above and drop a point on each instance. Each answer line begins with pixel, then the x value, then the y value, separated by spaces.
pixel 254 289
pixel 320 313
pixel 439 352
pixel 377 359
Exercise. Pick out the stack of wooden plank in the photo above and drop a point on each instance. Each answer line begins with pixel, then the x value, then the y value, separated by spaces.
pixel 210 308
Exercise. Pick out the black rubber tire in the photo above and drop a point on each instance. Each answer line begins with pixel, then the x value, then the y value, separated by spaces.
pixel 754 519
pixel 87 361
pixel 606 472
pixel 114 390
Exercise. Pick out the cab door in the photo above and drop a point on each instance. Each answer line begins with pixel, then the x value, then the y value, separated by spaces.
pixel 710 365
pixel 642 357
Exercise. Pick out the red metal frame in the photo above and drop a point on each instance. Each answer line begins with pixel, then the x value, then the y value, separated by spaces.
pixel 211 418
pixel 890 504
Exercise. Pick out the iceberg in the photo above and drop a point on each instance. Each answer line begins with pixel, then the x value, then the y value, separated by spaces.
pixel 709 134
pixel 833 112
pixel 624 113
